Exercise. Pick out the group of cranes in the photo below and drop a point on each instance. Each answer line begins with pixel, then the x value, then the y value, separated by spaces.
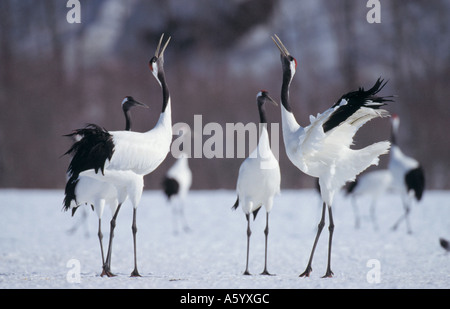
pixel 108 167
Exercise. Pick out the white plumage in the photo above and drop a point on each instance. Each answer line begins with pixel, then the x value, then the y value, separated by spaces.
pixel 259 179
pixel 176 185
pixel 322 149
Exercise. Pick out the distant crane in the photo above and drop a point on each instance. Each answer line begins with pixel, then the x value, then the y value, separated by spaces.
pixel 372 184
pixel 96 193
pixel 408 176
pixel 124 157
pixel 322 149
pixel 176 185
pixel 259 179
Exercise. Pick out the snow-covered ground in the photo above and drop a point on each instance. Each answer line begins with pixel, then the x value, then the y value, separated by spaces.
pixel 37 250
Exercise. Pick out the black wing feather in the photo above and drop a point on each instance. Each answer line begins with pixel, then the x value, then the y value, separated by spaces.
pixel 356 100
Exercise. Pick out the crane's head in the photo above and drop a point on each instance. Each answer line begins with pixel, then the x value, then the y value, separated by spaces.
pixel 395 120
pixel 263 97
pixel 128 102
pixel 157 62
pixel 288 62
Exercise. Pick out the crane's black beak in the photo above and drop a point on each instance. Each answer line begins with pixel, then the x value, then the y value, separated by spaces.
pixel 271 100
pixel 280 45
pixel 136 103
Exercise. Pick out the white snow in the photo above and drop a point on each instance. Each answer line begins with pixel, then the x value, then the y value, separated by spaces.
pixel 35 246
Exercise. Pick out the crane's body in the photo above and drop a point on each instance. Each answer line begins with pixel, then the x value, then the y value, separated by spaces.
pixel 259 179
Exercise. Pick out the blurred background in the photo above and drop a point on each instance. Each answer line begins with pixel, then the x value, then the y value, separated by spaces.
pixel 56 76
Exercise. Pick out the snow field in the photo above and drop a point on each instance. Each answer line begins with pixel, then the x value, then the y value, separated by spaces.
pixel 36 246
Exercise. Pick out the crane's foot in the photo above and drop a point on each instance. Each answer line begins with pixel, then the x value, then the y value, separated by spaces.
pixel 328 274
pixel 307 272
pixel 107 272
pixel 135 273
pixel 266 273
pixel 247 273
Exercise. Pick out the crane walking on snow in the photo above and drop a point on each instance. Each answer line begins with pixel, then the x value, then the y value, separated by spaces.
pixel 322 149
pixel 259 179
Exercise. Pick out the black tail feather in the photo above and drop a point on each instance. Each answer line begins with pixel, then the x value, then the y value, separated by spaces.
pixel 444 244
pixel 236 204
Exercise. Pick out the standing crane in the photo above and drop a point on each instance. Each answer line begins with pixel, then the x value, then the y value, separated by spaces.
pixel 176 185
pixel 408 176
pixel 86 190
pixel 123 158
pixel 372 184
pixel 259 179
pixel 322 149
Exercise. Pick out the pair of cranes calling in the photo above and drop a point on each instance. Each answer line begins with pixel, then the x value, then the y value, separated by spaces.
pixel 107 167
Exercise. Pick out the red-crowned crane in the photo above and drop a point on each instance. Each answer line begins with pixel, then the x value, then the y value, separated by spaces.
pixel 176 185
pixel 97 193
pixel 322 149
pixel 122 158
pixel 408 176
pixel 373 185
pixel 259 179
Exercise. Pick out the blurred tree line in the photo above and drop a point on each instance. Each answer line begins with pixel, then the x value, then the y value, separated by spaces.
pixel 56 76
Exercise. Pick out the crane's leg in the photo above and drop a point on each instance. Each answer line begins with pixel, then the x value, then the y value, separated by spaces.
pixel 266 233
pixel 308 269
pixel 135 272
pixel 107 265
pixel 100 238
pixel 186 227
pixel 373 215
pixel 405 217
pixel 355 210
pixel 249 233
pixel 329 273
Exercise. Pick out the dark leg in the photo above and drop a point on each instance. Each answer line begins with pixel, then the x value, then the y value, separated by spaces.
pixel 100 238
pixel 249 233
pixel 373 215
pixel 355 210
pixel 107 264
pixel 135 272
pixel 266 232
pixel 404 217
pixel 329 273
pixel 319 230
